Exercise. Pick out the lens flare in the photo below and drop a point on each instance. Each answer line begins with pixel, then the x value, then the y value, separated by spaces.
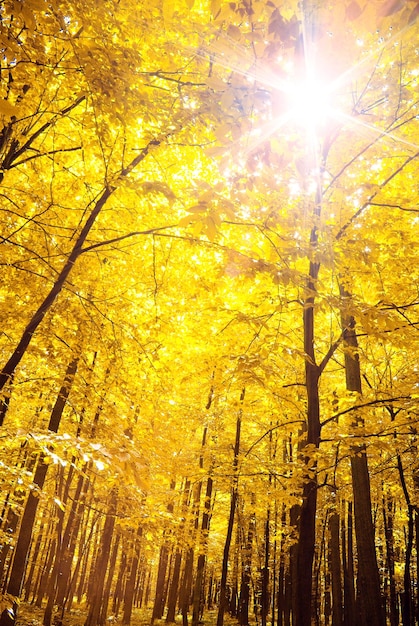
pixel 309 104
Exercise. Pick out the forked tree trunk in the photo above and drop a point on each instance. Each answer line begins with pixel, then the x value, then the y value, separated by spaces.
pixel 302 594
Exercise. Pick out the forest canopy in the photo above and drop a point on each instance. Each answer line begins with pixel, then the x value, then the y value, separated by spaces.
pixel 209 287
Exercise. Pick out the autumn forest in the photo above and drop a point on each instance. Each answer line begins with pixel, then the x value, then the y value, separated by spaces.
pixel 209 346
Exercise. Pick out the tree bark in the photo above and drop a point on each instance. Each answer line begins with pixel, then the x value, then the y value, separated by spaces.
pixel 389 537
pixel 336 569
pixel 348 570
pixel 233 503
pixel 246 575
pixel 205 524
pixel 20 556
pixel 94 617
pixel 302 606
pixel 130 586
pixel 368 597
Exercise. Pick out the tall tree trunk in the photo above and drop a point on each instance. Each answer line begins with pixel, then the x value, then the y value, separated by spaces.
pixel 173 589
pixel 130 586
pixel 388 508
pixel 118 593
pixel 20 556
pixel 199 578
pixel 109 579
pixel 368 598
pixel 302 606
pixel 233 503
pixel 70 540
pixel 349 613
pixel 54 574
pixel 158 607
pixel 29 583
pixel 336 569
pixel 203 536
pixel 101 565
pixel 246 574
pixel 264 601
pixel 407 602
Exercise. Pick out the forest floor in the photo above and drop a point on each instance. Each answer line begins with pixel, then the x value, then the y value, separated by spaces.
pixel 30 615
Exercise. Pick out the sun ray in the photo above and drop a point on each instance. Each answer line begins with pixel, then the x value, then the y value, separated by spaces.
pixel 307 102
pixel 355 121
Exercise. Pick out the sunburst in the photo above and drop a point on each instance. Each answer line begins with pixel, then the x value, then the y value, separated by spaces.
pixel 310 103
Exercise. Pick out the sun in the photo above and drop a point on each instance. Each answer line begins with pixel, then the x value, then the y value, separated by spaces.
pixel 309 103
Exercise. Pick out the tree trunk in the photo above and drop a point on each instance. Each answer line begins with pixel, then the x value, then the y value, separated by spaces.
pixel 101 565
pixel 205 524
pixel 173 590
pixel 349 612
pixel 246 575
pixel 20 556
pixel 368 597
pixel 118 593
pixel 158 607
pixel 185 589
pixel 302 608
pixel 389 537
pixel 130 586
pixel 336 569
pixel 264 609
pixel 407 603
pixel 233 503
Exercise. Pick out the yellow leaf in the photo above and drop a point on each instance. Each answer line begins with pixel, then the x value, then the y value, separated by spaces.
pixel 6 109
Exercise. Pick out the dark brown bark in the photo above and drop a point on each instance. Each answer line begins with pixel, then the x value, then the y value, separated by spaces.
pixel 199 577
pixel 28 518
pixel 94 617
pixel 349 613
pixel 307 515
pixel 407 596
pixel 264 600
pixel 173 589
pixel 389 537
pixel 368 598
pixel 53 578
pixel 197 596
pixel 336 569
pixel 34 559
pixel 70 539
pixel 130 586
pixel 109 579
pixel 222 606
pixel 246 574
pixel 118 593
pixel 158 607
pixel 186 586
